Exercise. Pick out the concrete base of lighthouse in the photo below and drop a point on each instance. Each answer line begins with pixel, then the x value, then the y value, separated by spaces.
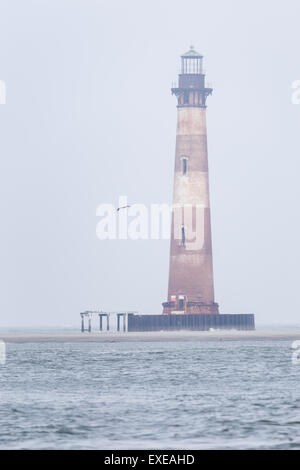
pixel 190 308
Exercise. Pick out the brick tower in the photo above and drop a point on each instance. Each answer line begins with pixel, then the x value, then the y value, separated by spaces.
pixel 191 286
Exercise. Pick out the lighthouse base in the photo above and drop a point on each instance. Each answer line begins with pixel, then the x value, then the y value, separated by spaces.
pixel 190 308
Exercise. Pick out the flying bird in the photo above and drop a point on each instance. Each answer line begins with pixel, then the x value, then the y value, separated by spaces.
pixel 123 207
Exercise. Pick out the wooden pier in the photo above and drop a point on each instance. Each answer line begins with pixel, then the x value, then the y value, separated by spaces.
pixel 105 320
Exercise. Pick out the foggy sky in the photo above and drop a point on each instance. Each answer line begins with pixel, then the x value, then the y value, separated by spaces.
pixel 89 116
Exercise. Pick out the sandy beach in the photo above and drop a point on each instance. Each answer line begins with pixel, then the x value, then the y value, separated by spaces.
pixel 225 335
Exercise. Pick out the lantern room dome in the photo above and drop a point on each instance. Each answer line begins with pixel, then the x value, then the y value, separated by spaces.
pixel 192 53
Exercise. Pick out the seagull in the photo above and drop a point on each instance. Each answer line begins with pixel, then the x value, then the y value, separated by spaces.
pixel 123 207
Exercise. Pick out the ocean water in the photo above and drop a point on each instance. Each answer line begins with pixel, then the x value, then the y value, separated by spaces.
pixel 173 395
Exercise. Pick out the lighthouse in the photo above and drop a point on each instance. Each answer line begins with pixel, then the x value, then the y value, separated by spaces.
pixel 191 283
pixel 190 304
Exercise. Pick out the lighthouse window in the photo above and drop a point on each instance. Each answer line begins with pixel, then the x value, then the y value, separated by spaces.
pixel 182 235
pixel 184 166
